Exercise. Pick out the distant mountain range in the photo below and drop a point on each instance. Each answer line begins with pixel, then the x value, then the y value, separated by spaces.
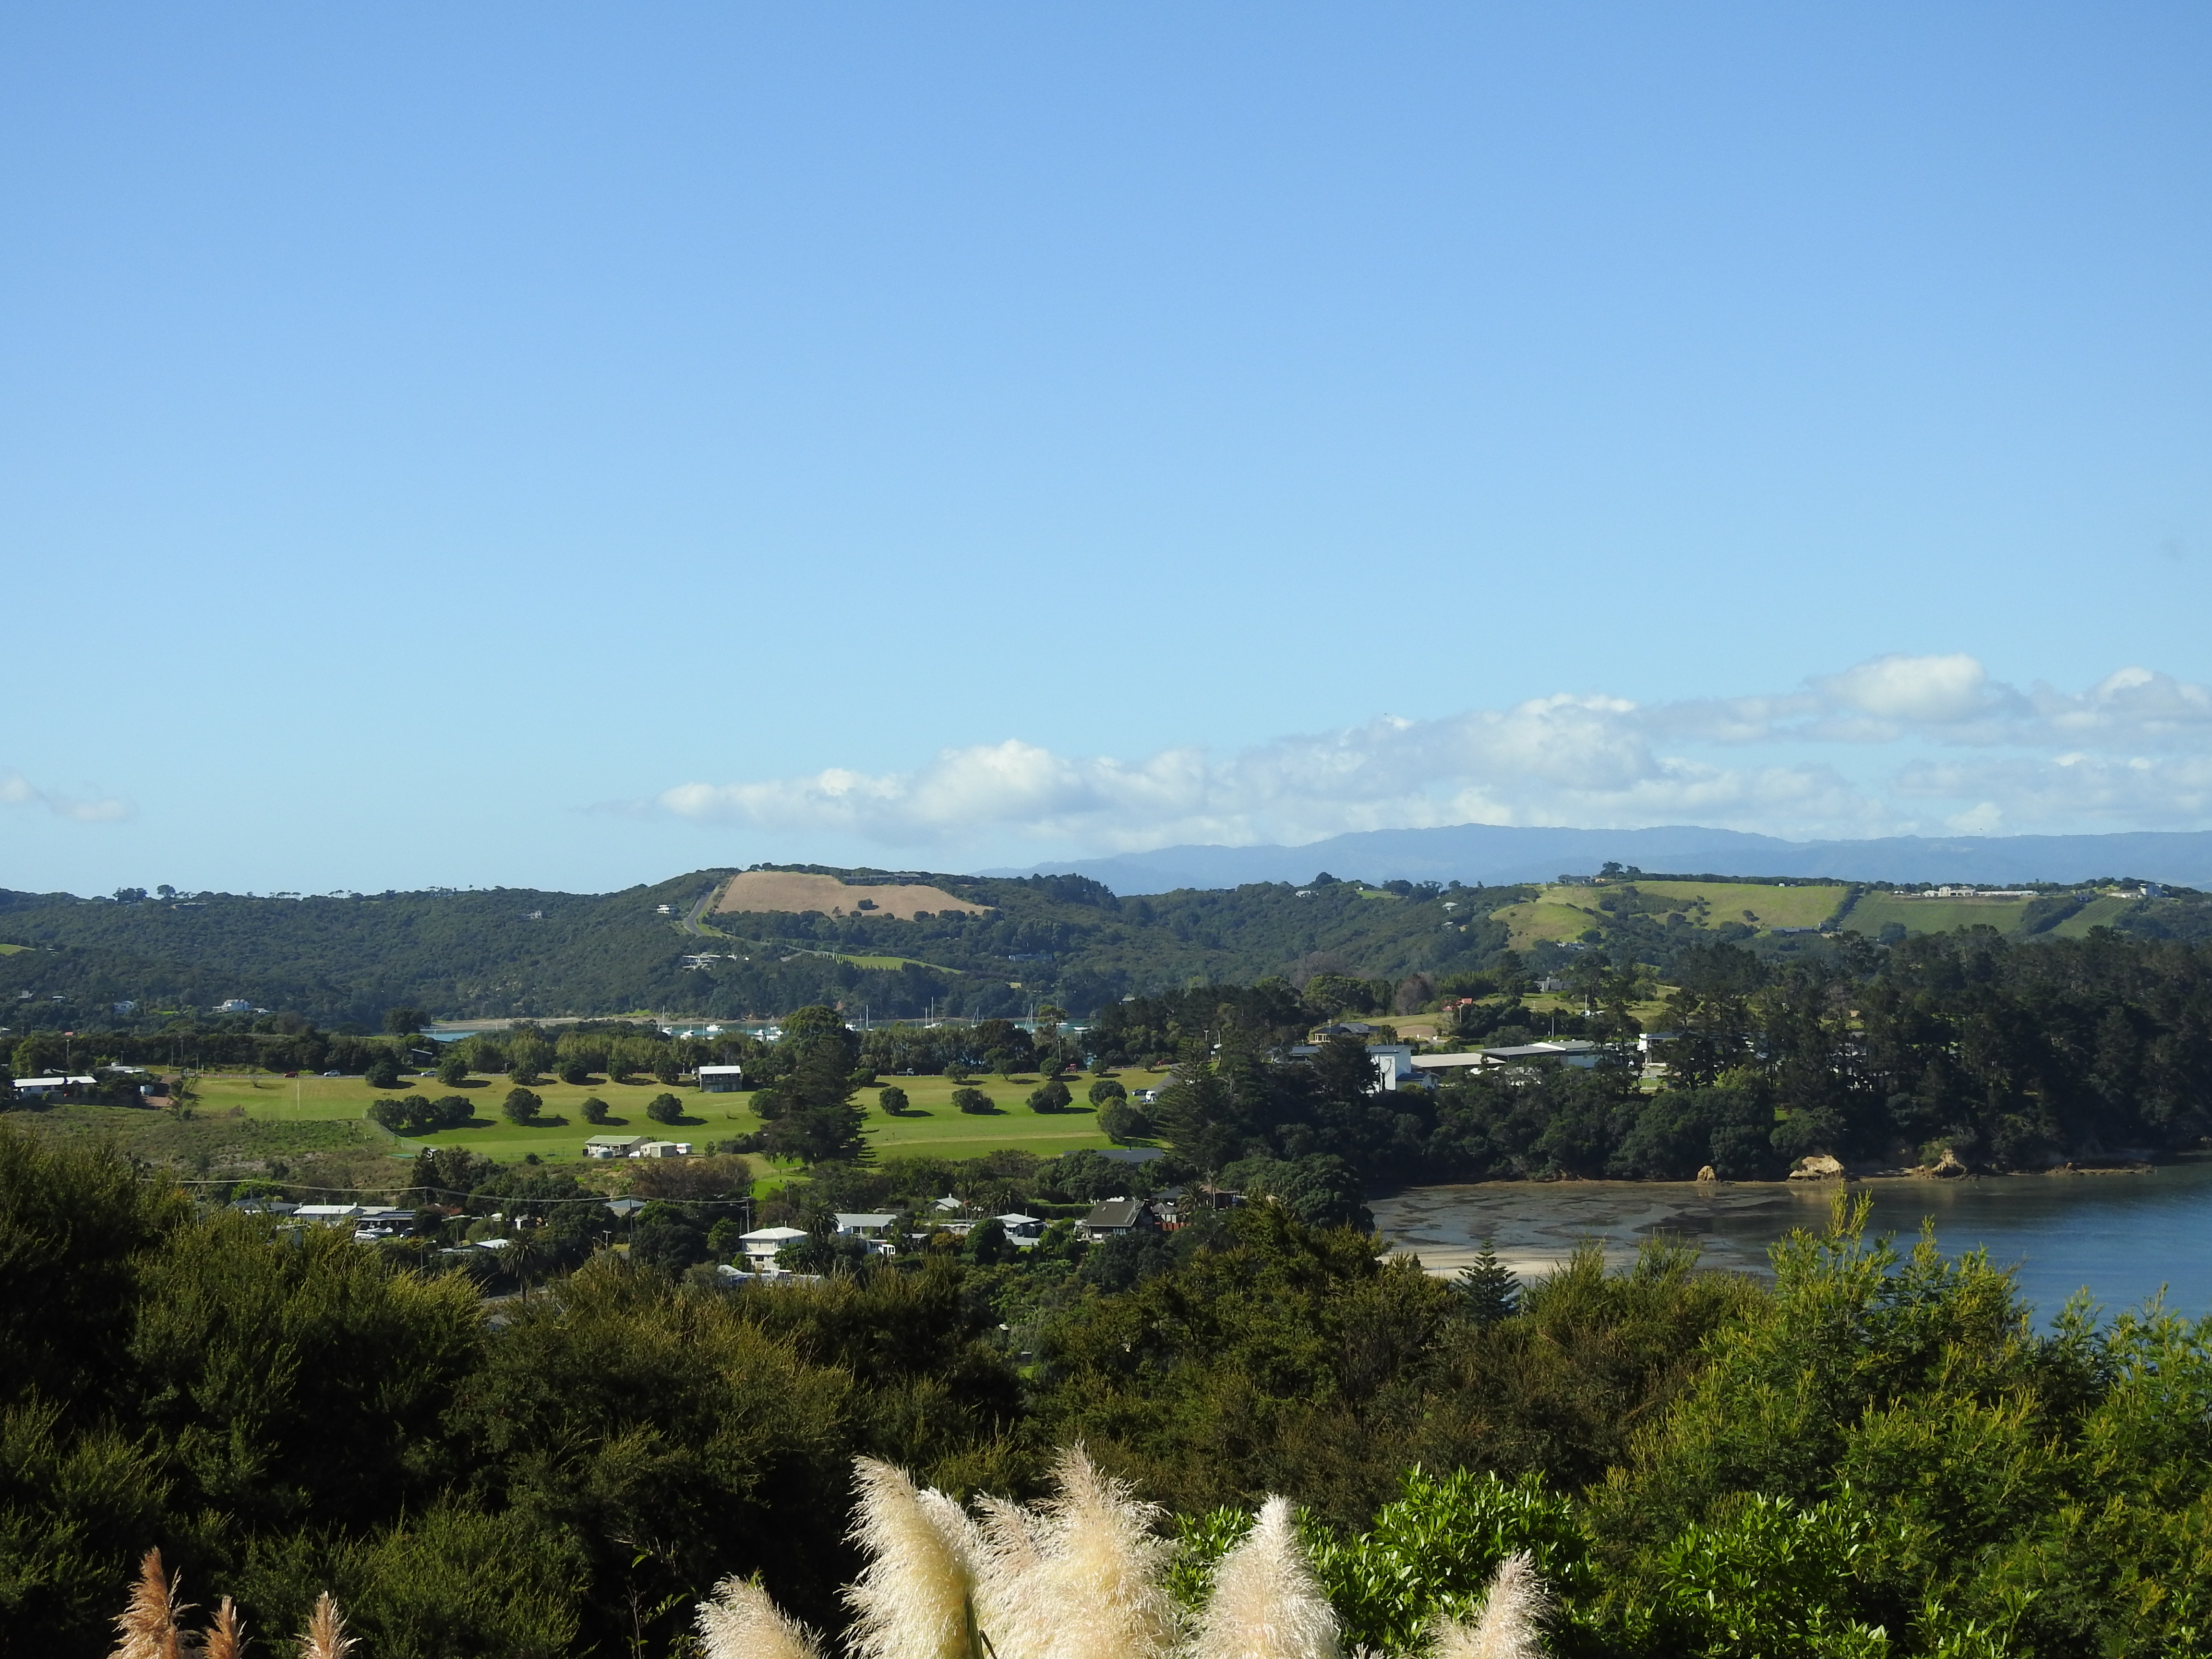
pixel 1496 855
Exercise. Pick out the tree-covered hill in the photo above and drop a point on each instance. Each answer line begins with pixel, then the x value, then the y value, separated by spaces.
pixel 1064 940
pixel 521 952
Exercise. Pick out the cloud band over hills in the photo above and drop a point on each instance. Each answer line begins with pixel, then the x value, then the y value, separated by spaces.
pixel 1899 745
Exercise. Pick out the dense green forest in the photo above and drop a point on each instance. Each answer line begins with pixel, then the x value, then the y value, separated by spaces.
pixel 343 960
pixel 1876 1455
pixel 2007 1055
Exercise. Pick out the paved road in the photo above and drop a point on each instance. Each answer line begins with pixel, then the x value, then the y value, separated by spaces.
pixel 690 923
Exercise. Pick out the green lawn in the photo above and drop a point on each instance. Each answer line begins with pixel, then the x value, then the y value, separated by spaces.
pixel 162 1137
pixel 1565 913
pixel 1545 918
pixel 2097 913
pixel 1773 907
pixel 930 1126
pixel 1876 911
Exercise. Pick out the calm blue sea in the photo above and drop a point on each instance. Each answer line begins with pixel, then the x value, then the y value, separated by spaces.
pixel 2123 1238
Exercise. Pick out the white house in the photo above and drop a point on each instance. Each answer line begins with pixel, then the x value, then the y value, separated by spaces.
pixel 761 1245
pixel 663 1148
pixel 868 1228
pixel 1430 1064
pixel 39 1087
pixel 613 1145
pixel 1393 1063
pixel 326 1212
pixel 721 1079
pixel 1023 1230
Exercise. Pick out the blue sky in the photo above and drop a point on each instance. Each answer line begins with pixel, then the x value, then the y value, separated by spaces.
pixel 565 445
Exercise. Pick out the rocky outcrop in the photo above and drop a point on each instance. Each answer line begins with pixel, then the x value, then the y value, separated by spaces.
pixel 1947 1167
pixel 1708 1174
pixel 1817 1167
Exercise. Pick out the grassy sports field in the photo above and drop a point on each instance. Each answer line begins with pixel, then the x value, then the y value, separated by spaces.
pixel 930 1126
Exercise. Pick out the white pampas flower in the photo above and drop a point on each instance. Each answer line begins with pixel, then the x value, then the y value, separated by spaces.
pixel 1007 1550
pixel 915 1600
pixel 1265 1603
pixel 1082 1576
pixel 1512 1621
pixel 742 1622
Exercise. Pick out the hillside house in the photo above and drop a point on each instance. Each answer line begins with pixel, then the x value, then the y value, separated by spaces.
pixel 1394 1065
pixel 761 1245
pixel 1117 1218
pixel 1578 1052
pixel 1435 1065
pixel 614 1145
pixel 721 1079
pixel 47 1088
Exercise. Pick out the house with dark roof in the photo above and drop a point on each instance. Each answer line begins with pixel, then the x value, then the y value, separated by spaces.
pixel 1118 1217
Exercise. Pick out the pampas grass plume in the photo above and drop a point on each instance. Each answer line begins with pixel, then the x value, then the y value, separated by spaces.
pixel 1265 1603
pixel 742 1622
pixel 1080 1577
pixel 148 1626
pixel 1512 1621
pixel 324 1636
pixel 226 1636
pixel 1008 1548
pixel 1097 1590
pixel 915 1599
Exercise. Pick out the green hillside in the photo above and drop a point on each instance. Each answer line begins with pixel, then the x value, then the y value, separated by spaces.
pixel 1876 911
pixel 519 952
pixel 135 960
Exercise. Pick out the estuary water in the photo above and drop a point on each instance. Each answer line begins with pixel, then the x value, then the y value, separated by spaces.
pixel 2124 1236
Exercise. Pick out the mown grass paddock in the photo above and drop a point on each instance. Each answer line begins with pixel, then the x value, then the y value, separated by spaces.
pixel 1876 911
pixel 930 1126
pixel 1561 913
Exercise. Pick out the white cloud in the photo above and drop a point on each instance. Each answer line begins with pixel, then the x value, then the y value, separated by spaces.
pixel 2134 748
pixel 16 790
pixel 1928 689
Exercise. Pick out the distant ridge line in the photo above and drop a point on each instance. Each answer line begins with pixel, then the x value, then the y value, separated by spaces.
pixel 1501 855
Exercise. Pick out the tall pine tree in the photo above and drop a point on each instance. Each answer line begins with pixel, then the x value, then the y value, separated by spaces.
pixel 1491 1292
